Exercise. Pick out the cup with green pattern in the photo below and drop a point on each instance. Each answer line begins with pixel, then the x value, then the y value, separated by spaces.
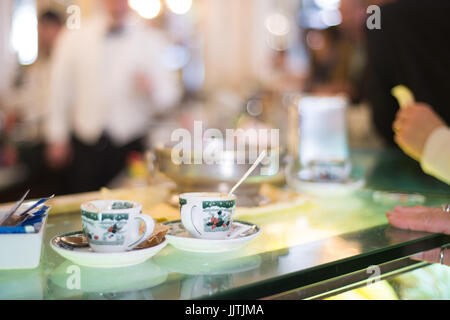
pixel 207 215
pixel 114 225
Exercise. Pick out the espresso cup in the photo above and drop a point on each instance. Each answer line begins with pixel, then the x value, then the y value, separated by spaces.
pixel 207 215
pixel 114 225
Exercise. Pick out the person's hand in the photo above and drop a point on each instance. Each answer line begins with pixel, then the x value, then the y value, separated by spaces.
pixel 58 155
pixel 433 256
pixel 420 218
pixel 413 125
pixel 397 219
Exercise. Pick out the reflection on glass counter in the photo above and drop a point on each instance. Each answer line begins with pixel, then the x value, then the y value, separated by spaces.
pixel 428 283
pixel 431 282
pixel 304 242
pixel 69 280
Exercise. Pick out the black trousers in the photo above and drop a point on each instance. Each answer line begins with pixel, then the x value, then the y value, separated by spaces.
pixel 41 179
pixel 94 166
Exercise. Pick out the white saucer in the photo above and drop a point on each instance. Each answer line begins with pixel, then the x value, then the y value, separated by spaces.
pixel 88 258
pixel 324 188
pixel 181 239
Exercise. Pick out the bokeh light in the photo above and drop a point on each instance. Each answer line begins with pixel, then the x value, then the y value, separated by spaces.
pixel 331 17
pixel 147 9
pixel 315 40
pixel 278 24
pixel 179 6
pixel 254 107
pixel 328 4
pixel 24 32
pixel 176 57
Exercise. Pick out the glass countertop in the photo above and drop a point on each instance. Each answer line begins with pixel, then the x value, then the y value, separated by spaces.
pixel 330 237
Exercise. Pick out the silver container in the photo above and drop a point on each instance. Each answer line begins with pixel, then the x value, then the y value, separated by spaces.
pixel 221 176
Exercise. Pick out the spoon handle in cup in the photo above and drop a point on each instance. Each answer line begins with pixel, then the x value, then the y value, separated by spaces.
pixel 252 168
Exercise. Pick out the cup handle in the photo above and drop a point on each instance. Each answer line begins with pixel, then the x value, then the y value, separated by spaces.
pixel 149 227
pixel 188 220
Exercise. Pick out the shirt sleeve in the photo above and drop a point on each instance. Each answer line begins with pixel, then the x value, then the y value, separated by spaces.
pixel 436 156
pixel 57 126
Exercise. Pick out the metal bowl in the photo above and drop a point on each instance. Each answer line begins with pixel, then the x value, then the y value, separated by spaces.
pixel 221 176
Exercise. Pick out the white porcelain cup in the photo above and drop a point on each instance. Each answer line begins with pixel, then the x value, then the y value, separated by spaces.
pixel 113 225
pixel 207 215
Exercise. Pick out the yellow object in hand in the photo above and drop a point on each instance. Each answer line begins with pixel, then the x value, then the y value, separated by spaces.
pixel 403 95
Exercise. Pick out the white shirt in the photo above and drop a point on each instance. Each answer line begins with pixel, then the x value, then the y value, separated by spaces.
pixel 31 98
pixel 436 155
pixel 93 83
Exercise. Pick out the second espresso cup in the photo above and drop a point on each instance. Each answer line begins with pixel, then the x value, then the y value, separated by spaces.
pixel 114 225
pixel 207 215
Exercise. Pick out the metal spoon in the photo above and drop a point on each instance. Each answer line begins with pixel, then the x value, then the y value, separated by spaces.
pixel 76 240
pixel 249 171
pixel 244 232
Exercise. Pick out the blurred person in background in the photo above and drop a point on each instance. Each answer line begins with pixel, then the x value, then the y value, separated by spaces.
pixel 423 135
pixel 26 107
pixel 108 80
pixel 29 95
pixel 410 49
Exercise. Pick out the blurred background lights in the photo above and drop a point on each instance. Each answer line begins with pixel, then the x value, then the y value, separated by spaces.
pixel 315 40
pixel 331 17
pixel 278 24
pixel 277 43
pixel 24 33
pixel 179 6
pixel 328 4
pixel 320 14
pixel 176 57
pixel 254 107
pixel 147 9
